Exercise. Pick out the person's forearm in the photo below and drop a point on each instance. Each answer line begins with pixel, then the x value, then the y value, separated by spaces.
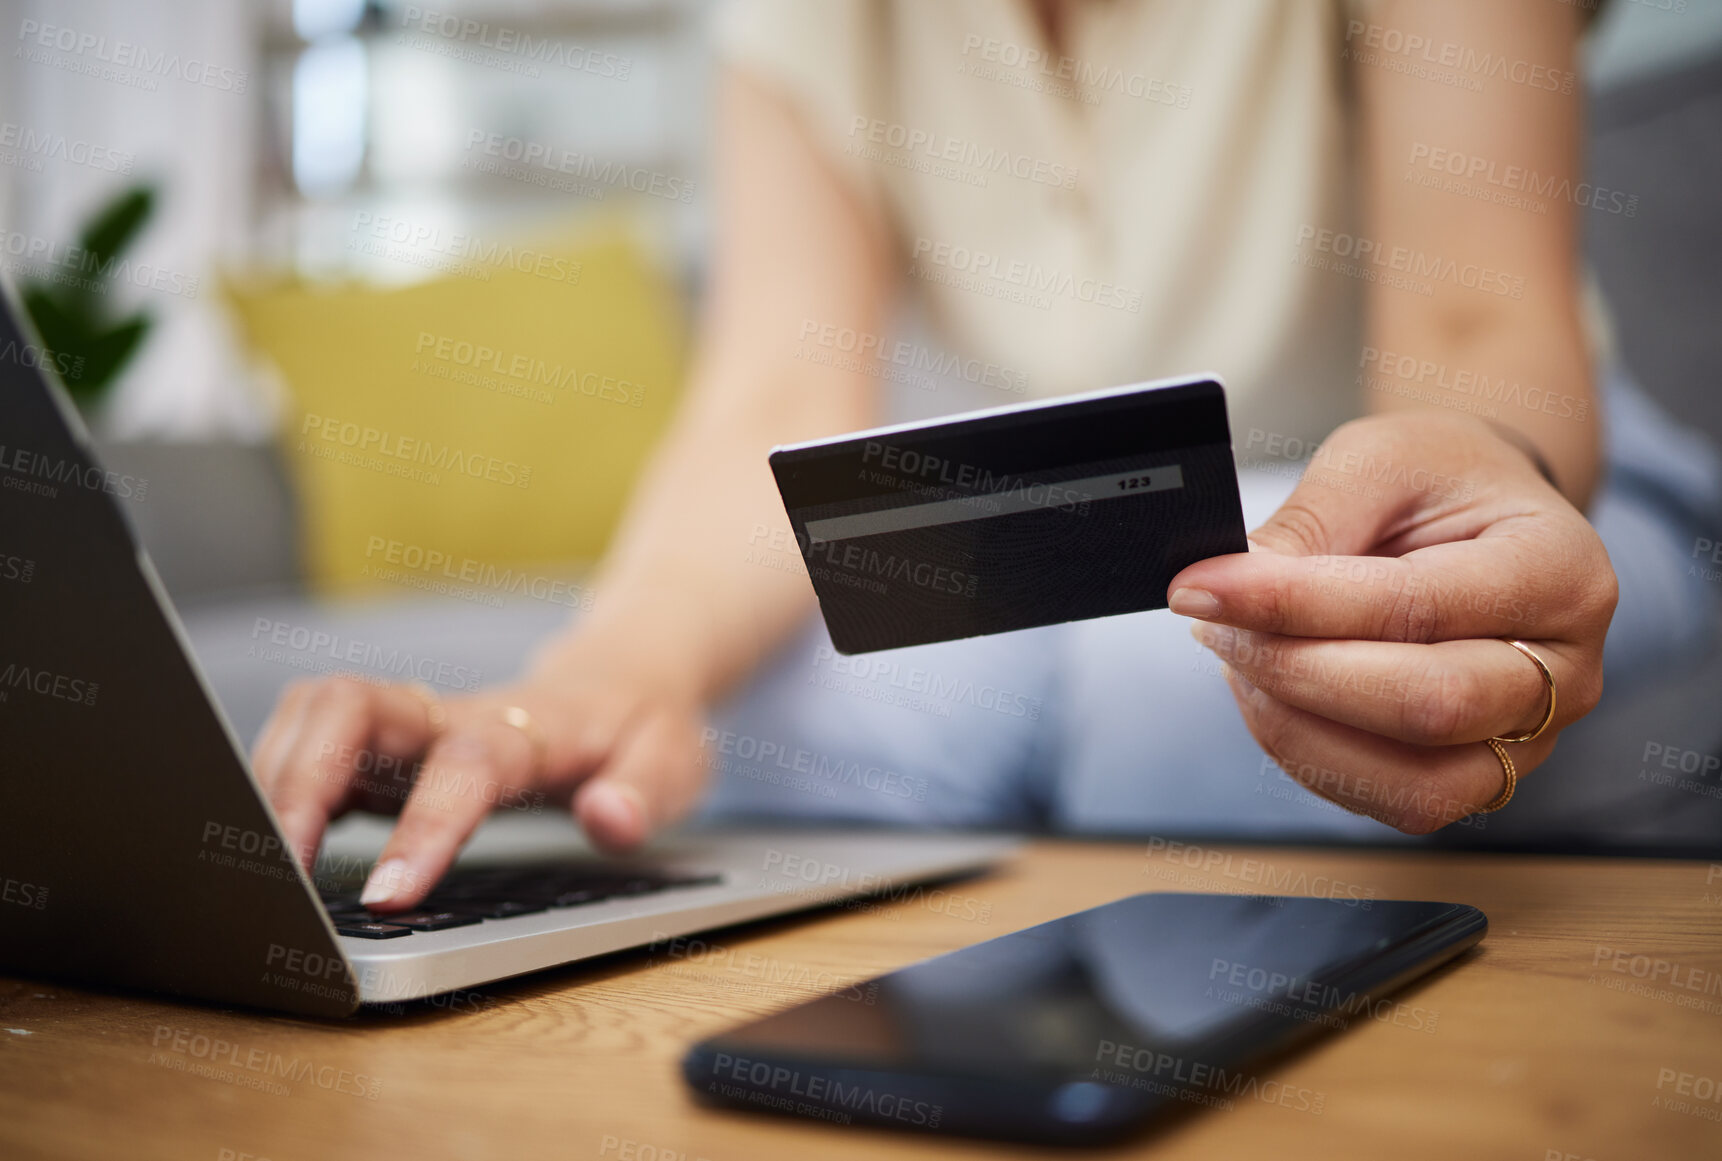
pixel 704 577
pixel 1495 332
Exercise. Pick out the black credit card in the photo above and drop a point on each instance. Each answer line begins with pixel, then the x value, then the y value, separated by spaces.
pixel 1013 517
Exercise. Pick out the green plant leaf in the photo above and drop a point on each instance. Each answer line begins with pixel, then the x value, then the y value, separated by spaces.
pixel 113 229
pixel 108 352
pixel 74 320
pixel 61 329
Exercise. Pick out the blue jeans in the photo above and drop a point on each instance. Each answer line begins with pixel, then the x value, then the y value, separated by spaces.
pixel 1124 724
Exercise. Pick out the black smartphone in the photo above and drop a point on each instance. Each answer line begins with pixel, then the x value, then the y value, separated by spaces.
pixel 1087 1028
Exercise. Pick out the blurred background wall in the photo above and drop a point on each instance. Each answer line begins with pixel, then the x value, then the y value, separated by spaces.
pixel 321 109
pixel 283 119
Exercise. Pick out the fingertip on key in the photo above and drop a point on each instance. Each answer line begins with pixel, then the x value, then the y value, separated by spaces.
pixel 389 886
pixel 613 814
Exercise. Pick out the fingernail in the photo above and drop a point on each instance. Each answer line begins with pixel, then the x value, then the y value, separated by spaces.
pixel 1194 603
pixel 389 880
pixel 616 810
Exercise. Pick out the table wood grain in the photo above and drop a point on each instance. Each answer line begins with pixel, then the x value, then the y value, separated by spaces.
pixel 1587 1025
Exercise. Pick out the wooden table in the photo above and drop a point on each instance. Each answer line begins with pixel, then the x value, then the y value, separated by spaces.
pixel 1588 1025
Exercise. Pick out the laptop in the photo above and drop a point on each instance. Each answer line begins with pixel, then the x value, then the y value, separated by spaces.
pixel 135 846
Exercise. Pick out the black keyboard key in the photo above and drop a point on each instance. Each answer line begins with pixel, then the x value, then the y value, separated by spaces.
pixel 490 895
pixel 371 930
pixel 503 909
pixel 430 920
pixel 472 894
pixel 599 891
pixel 692 879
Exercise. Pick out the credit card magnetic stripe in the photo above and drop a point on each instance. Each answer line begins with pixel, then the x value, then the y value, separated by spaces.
pixel 1062 494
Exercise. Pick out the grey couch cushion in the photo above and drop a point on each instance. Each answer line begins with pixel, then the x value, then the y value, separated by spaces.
pixel 1661 139
pixel 217 517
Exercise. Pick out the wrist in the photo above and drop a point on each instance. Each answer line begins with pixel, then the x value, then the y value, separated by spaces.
pixel 1523 442
pixel 620 651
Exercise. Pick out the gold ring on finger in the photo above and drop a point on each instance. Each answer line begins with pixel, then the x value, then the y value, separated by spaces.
pixel 1509 785
pixel 1548 679
pixel 521 720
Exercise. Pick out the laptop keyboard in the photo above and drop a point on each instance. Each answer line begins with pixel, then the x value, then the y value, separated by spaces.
pixel 471 896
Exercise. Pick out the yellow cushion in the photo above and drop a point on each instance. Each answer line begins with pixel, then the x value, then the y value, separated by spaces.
pixel 492 417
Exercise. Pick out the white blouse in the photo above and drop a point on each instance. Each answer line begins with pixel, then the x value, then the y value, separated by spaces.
pixel 1136 207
